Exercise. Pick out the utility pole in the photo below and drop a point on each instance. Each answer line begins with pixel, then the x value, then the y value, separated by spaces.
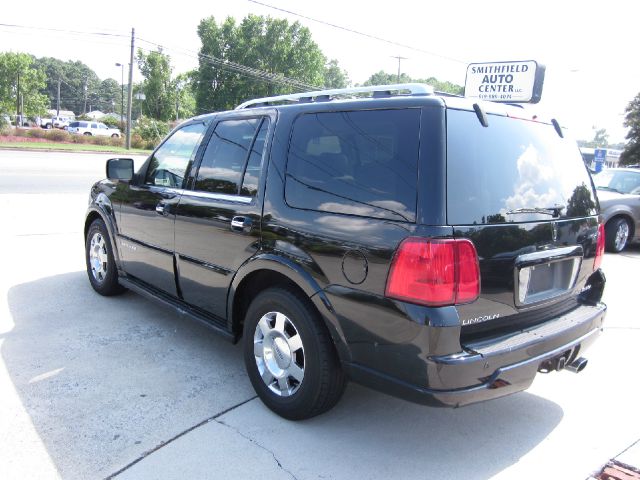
pixel 84 109
pixel 121 94
pixel 18 119
pixel 58 110
pixel 399 60
pixel 130 95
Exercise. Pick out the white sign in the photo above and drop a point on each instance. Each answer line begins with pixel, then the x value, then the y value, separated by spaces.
pixel 505 81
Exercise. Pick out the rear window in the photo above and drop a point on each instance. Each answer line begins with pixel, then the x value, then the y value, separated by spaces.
pixel 357 163
pixel 512 171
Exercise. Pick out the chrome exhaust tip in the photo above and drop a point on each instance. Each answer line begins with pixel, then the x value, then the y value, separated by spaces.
pixel 577 365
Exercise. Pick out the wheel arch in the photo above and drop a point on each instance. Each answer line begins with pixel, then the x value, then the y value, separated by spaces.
pixel 98 212
pixel 628 217
pixel 269 270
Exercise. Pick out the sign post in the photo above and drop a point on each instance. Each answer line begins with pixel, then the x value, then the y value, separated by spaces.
pixel 511 82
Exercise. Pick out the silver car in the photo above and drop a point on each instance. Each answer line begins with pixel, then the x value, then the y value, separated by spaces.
pixel 619 196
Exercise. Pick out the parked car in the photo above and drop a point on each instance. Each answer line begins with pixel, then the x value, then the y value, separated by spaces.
pixel 93 128
pixel 436 248
pixel 619 196
pixel 55 122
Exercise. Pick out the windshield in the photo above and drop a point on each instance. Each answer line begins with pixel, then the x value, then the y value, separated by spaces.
pixel 621 181
pixel 512 171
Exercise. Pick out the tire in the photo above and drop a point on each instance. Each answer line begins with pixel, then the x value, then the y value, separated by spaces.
pixel 47 126
pixel 115 135
pixel 87 134
pixel 101 266
pixel 289 356
pixel 617 233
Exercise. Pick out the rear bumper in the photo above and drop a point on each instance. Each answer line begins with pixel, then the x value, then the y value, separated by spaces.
pixel 492 368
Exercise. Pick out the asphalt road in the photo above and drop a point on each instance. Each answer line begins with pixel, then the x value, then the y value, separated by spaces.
pixel 91 386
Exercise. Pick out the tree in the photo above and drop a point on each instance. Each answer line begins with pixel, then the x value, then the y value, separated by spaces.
pixel 157 86
pixel 185 99
pixel 631 153
pixel 600 138
pixel 272 49
pixel 334 76
pixel 79 85
pixel 16 68
pixel 383 78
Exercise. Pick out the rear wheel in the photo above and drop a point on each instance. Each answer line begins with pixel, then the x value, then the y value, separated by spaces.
pixel 617 234
pixel 101 266
pixel 289 356
pixel 87 133
pixel 115 135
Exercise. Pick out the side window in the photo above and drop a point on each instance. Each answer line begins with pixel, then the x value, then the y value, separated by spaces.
pixel 358 163
pixel 170 161
pixel 233 157
pixel 94 125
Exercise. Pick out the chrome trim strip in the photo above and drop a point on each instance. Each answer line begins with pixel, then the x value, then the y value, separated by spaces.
pixel 225 197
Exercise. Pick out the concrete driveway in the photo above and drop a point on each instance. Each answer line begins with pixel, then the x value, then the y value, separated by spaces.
pixel 95 387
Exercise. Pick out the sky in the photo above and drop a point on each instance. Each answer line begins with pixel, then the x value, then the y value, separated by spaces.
pixel 589 48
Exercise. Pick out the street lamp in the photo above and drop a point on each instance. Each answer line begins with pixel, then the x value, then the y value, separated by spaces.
pixel 121 65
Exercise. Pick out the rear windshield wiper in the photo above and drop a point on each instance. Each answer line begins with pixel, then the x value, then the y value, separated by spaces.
pixel 553 211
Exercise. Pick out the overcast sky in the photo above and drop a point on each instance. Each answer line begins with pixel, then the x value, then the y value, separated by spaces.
pixel 589 48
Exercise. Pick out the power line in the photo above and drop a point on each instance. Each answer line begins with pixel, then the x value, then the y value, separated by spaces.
pixel 59 30
pixel 367 35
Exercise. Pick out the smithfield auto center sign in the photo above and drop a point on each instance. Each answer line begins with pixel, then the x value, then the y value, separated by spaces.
pixel 515 82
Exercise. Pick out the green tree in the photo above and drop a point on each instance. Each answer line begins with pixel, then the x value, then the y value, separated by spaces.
pixel 383 78
pixel 79 85
pixel 185 94
pixel 631 153
pixel 272 49
pixel 157 86
pixel 334 76
pixel 14 68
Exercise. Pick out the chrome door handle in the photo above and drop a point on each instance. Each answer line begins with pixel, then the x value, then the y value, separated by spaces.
pixel 160 208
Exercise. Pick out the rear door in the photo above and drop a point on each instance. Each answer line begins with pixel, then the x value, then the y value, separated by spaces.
pixel 217 226
pixel 522 194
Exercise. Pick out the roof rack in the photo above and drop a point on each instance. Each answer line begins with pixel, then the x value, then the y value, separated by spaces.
pixel 325 95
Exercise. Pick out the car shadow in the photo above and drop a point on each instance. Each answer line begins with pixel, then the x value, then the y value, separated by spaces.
pixel 105 380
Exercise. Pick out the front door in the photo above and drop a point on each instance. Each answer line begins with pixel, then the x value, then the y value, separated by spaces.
pixel 147 210
pixel 218 217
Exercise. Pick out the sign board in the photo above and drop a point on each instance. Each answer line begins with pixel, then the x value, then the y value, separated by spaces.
pixel 512 82
pixel 599 156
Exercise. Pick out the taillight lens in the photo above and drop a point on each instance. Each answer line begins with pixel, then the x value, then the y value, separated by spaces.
pixel 599 248
pixel 434 272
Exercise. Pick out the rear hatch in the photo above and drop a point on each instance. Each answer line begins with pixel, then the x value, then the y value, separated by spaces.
pixel 522 194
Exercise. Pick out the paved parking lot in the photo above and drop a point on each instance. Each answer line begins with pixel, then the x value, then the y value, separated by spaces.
pixel 93 387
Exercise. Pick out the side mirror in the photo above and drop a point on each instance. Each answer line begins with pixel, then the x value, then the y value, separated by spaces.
pixel 120 169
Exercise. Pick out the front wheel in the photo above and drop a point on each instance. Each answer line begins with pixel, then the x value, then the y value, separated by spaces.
pixel 101 266
pixel 115 135
pixel 87 134
pixel 289 356
pixel 617 235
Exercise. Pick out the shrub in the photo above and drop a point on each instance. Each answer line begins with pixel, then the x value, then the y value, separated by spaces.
pixel 36 133
pixel 6 130
pixel 57 135
pixel 20 132
pixel 80 139
pixel 150 144
pixel 150 129
pixel 137 142
pixel 111 122
pixel 116 142
pixel 100 140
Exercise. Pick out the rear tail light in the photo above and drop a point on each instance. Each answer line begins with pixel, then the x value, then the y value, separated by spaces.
pixel 599 248
pixel 434 272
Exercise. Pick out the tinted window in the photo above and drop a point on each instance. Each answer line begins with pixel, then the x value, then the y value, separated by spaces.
pixel 170 161
pixel 225 158
pixel 254 165
pixel 358 163
pixel 74 124
pixel 94 125
pixel 512 171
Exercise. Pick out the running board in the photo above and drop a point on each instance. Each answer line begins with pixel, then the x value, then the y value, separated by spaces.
pixel 214 323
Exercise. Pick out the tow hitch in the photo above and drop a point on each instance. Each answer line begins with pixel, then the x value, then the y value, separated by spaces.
pixel 561 362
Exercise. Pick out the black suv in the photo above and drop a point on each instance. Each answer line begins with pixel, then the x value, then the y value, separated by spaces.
pixel 436 248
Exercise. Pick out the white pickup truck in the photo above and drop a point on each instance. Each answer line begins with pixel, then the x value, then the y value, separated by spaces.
pixel 55 122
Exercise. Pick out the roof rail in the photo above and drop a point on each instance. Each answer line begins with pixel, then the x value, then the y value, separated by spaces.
pixel 308 97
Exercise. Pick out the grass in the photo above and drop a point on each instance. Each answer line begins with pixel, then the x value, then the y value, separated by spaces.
pixel 69 147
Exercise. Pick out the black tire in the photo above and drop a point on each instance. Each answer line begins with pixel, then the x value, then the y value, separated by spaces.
pixel 115 135
pixel 323 380
pixel 103 274
pixel 617 234
pixel 88 134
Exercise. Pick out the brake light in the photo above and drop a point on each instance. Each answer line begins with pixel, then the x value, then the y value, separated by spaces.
pixel 599 248
pixel 434 272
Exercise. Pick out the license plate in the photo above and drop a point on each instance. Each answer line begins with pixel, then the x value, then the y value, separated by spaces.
pixel 544 281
